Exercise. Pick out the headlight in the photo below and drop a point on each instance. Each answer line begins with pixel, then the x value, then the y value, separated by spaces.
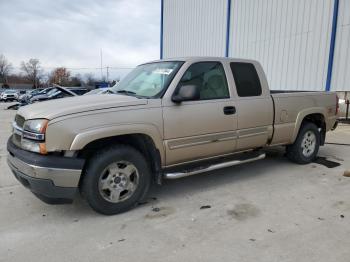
pixel 36 126
pixel 33 138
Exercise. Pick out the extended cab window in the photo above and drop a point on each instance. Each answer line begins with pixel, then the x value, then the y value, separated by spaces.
pixel 209 77
pixel 246 79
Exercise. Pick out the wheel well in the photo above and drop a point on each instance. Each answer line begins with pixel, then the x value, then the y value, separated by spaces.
pixel 143 143
pixel 319 121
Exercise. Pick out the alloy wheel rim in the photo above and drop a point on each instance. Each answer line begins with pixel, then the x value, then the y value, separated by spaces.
pixel 118 181
pixel 308 144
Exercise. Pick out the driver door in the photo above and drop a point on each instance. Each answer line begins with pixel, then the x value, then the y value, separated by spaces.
pixel 203 128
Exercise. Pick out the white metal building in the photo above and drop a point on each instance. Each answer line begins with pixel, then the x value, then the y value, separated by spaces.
pixel 302 44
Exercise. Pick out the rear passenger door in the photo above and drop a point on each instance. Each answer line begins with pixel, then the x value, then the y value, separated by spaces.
pixel 254 106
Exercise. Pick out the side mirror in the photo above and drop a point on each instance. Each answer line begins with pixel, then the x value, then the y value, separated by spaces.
pixel 186 93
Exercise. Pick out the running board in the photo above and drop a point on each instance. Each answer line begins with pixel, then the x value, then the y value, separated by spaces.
pixel 212 167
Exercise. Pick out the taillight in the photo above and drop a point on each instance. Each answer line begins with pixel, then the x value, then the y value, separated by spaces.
pixel 337 105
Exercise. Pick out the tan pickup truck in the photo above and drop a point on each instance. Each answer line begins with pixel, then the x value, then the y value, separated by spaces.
pixel 167 119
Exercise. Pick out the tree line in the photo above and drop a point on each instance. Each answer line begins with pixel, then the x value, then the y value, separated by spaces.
pixel 31 72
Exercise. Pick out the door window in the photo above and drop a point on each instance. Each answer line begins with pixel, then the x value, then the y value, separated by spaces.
pixel 210 79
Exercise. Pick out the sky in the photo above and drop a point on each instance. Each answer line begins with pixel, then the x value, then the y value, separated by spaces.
pixel 71 33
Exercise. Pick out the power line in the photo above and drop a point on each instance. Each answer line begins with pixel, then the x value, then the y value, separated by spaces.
pixel 82 68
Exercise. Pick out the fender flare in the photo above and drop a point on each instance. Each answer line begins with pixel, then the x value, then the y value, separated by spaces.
pixel 87 136
pixel 301 116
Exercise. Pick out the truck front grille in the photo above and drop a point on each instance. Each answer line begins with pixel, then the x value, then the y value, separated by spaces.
pixel 17 130
pixel 19 120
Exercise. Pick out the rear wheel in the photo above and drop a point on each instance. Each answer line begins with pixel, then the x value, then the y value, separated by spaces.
pixel 305 148
pixel 116 179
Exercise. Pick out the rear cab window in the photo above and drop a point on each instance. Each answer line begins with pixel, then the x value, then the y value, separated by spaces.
pixel 246 79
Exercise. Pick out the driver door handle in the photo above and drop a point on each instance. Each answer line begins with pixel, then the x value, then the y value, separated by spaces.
pixel 229 110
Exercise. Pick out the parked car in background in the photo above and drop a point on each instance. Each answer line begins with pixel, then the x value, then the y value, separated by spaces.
pixel 24 98
pixel 49 93
pixel 100 91
pixel 57 92
pixel 167 119
pixel 8 95
pixel 38 91
pixel 52 93
pixel 78 90
pixel 20 93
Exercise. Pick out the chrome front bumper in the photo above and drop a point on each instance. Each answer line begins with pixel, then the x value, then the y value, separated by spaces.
pixel 53 179
pixel 59 176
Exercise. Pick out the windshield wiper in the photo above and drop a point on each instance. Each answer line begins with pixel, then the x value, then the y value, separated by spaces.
pixel 130 93
pixel 127 92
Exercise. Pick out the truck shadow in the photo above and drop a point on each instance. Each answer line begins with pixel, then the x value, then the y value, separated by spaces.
pixel 215 179
pixel 273 165
pixel 205 181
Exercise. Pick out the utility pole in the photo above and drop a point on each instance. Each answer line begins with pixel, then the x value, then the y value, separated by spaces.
pixel 101 64
pixel 107 68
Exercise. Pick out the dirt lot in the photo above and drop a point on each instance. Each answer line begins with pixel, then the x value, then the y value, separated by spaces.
pixel 271 210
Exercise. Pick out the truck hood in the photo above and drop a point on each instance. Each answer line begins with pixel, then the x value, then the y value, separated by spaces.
pixel 78 104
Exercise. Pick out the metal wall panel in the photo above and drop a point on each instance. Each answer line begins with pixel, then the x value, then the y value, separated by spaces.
pixel 290 38
pixel 194 27
pixel 341 64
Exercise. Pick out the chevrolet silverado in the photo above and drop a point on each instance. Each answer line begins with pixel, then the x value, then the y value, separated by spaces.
pixel 166 119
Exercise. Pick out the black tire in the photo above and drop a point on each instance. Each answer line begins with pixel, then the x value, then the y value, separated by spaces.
pixel 295 151
pixel 95 168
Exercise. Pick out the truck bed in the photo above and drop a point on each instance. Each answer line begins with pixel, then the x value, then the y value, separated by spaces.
pixel 290 91
pixel 291 107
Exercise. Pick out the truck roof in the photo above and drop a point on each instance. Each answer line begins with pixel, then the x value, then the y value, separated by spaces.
pixel 204 58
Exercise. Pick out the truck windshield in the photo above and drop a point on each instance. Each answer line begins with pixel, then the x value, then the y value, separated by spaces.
pixel 148 80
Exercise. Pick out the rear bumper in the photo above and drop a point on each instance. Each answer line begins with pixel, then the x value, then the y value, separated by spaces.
pixel 53 179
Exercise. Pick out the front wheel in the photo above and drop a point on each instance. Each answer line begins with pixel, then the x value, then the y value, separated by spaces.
pixel 116 179
pixel 305 148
